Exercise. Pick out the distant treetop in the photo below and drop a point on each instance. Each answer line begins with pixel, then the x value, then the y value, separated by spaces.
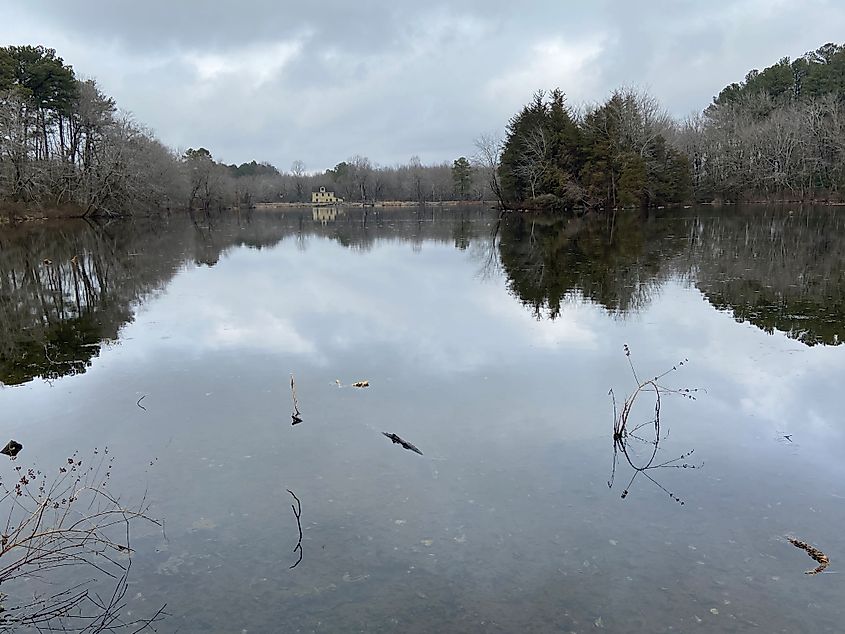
pixel 817 73
pixel 252 169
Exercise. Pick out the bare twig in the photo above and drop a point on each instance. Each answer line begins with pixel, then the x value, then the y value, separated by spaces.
pixel 138 402
pixel 297 513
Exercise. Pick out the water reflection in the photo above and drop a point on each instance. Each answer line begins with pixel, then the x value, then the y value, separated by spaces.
pixel 68 289
pixel 780 270
pixel 506 522
pixel 618 263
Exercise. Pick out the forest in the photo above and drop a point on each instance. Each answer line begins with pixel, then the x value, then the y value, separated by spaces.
pixel 66 147
pixel 779 135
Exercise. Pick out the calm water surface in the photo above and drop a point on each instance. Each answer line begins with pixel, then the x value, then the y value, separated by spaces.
pixel 492 347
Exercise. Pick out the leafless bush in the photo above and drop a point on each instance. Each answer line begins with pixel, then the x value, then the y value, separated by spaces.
pixel 647 433
pixel 65 551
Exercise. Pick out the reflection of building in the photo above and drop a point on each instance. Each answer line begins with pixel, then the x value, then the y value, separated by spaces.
pixel 323 197
pixel 324 215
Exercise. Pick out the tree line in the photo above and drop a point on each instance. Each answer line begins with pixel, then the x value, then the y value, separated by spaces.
pixel 613 154
pixel 777 135
pixel 213 185
pixel 65 145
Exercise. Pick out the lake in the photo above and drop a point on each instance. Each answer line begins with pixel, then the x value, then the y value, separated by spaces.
pixel 491 345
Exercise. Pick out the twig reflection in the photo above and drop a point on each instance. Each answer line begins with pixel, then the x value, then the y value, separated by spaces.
pixel 297 513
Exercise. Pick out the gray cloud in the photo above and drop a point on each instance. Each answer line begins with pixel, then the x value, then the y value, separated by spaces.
pixel 280 81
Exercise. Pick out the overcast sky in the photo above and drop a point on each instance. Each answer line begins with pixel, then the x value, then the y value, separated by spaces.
pixel 275 80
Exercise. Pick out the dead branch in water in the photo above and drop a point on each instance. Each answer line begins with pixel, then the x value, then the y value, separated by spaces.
pixel 817 555
pixel 296 417
pixel 622 435
pixel 400 441
pixel 297 513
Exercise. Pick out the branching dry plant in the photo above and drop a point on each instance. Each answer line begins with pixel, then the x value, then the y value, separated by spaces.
pixel 65 549
pixel 648 433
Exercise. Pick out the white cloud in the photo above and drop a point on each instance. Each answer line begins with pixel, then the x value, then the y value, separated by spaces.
pixel 257 63
pixel 549 64
pixel 280 81
pixel 573 328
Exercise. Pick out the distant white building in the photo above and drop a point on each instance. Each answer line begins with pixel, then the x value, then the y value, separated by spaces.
pixel 323 197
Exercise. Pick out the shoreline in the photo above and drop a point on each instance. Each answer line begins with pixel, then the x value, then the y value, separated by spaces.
pixel 377 204
pixel 16 216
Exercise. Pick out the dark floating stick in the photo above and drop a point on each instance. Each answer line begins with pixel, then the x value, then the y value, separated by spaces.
pixel 297 513
pixel 11 449
pixel 138 402
pixel 396 439
pixel 296 417
pixel 822 559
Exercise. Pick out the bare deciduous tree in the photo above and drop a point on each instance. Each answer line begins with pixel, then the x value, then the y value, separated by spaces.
pixel 532 165
pixel 487 158
pixel 297 170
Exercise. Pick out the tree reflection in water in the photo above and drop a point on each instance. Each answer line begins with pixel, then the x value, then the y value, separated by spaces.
pixel 66 289
pixel 778 269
